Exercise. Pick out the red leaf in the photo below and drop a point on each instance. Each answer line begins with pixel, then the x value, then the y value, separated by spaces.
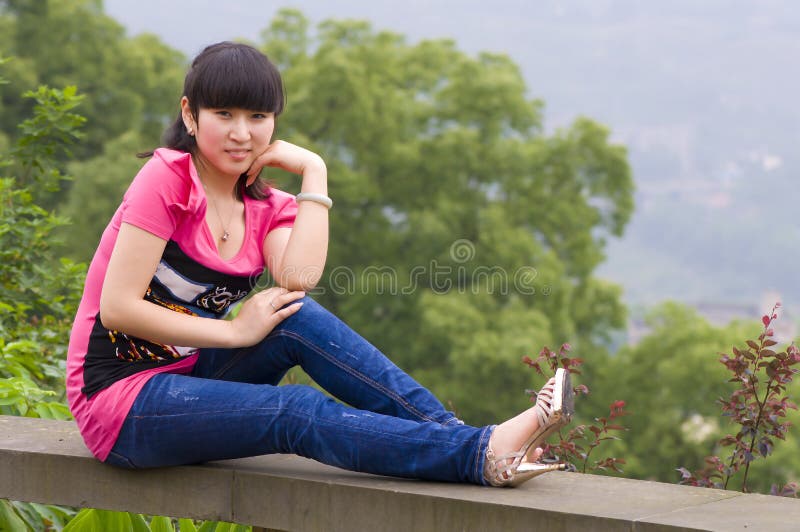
pixel 765 320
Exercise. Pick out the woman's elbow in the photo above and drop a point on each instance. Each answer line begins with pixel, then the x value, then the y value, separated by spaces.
pixel 110 315
pixel 299 280
pixel 298 284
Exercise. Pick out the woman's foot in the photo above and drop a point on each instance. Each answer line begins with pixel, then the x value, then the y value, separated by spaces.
pixel 524 434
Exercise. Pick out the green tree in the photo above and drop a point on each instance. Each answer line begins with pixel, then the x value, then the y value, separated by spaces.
pixel 39 292
pixel 445 182
pixel 488 228
pixel 103 179
pixel 671 381
pixel 130 86
pixel 129 83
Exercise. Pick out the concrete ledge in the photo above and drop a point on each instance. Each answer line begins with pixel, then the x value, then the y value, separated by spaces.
pixel 46 461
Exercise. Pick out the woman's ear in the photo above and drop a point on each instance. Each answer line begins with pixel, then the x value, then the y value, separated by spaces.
pixel 186 114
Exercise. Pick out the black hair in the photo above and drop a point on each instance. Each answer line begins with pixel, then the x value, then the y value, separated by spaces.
pixel 228 74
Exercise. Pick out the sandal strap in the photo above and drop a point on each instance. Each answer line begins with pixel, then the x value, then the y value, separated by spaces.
pixel 500 471
pixel 544 404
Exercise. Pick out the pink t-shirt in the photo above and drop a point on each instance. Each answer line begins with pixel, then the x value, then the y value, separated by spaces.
pixel 107 369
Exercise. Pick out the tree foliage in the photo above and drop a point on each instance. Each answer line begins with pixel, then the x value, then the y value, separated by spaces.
pixel 758 407
pixel 129 83
pixel 447 186
pixel 462 235
pixel 670 381
pixel 40 292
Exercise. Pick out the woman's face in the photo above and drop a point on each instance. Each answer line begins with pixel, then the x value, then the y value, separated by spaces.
pixel 230 139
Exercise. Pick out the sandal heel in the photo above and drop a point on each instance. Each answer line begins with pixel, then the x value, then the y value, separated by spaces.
pixel 554 409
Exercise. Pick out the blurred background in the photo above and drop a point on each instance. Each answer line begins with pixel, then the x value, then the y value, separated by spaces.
pixel 508 175
pixel 703 95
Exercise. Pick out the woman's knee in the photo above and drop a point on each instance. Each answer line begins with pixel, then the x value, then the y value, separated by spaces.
pixel 311 316
pixel 310 307
pixel 301 398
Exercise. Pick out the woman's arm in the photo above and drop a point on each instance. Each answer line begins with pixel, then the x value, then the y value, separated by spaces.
pixel 123 307
pixel 296 257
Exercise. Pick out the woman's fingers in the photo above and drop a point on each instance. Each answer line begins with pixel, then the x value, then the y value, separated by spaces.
pixel 281 298
pixel 285 155
pixel 286 311
pixel 265 159
pixel 262 312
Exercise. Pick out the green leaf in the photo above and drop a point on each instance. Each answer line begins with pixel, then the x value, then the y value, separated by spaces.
pixel 85 520
pixel 186 525
pixel 9 400
pixel 33 519
pixel 57 515
pixel 138 522
pixel 92 520
pixel 208 526
pixel 220 526
pixel 161 524
pixel 10 521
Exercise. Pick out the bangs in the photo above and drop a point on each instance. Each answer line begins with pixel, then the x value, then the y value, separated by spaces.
pixel 233 75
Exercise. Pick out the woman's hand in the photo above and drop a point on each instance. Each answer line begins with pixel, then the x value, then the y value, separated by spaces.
pixel 262 313
pixel 286 156
pixel 297 258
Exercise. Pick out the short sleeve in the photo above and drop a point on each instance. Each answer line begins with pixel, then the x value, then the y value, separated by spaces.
pixel 158 195
pixel 285 208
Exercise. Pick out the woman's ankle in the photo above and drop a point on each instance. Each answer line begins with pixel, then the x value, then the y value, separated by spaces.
pixel 511 435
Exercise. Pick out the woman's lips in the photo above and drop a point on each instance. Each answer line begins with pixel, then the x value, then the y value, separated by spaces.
pixel 238 155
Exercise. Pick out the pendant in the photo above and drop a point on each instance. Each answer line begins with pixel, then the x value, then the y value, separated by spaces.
pixel 225 236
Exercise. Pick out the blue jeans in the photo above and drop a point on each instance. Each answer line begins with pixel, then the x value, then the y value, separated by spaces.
pixel 231 407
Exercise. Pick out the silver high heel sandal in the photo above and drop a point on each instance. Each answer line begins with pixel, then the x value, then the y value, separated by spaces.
pixel 555 404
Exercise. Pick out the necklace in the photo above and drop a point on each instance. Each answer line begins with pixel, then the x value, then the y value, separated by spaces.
pixel 225 233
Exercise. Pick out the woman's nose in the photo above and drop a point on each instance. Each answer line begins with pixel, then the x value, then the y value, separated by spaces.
pixel 240 130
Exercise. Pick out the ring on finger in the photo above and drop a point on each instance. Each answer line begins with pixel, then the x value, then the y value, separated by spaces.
pixel 271 304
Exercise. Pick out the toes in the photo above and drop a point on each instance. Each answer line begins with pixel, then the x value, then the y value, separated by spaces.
pixel 537 454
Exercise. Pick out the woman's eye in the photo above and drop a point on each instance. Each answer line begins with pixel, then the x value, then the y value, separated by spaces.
pixel 223 113
pixel 260 116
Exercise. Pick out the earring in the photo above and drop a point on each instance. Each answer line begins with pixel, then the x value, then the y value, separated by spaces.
pixel 190 131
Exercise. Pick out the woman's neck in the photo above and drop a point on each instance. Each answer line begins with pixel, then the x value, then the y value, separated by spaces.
pixel 222 188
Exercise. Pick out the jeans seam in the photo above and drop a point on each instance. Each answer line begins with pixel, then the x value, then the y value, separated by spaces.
pixel 374 384
pixel 288 411
pixel 240 353
pixel 122 458
pixel 366 430
pixel 480 454
pixel 204 412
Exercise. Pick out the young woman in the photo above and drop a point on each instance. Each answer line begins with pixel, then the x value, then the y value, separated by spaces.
pixel 156 378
